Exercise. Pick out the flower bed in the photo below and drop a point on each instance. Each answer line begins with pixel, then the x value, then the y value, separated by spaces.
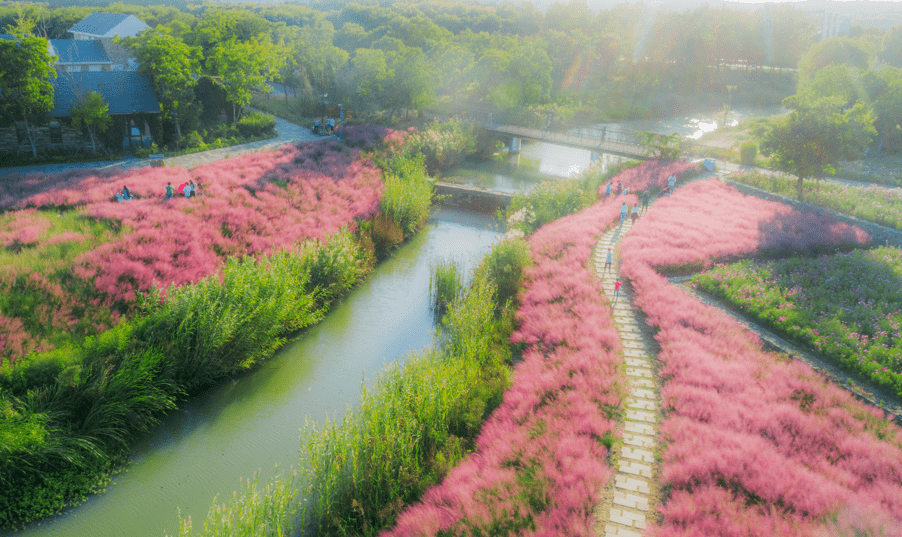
pixel 876 204
pixel 710 220
pixel 844 306
pixel 539 466
pixel 754 444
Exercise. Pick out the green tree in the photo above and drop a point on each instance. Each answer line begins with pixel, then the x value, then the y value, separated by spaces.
pixel 832 51
pixel 170 64
pixel 26 93
pixel 244 66
pixel 891 52
pixel 92 113
pixel 810 141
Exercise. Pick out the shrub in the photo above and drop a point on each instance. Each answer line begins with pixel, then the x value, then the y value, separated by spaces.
pixel 256 125
pixel 747 153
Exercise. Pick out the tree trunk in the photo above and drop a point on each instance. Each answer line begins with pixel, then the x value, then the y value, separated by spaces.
pixel 31 137
pixel 93 143
pixel 799 188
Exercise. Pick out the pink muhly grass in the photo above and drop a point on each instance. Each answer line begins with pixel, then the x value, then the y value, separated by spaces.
pixel 652 174
pixel 544 439
pixel 753 444
pixel 709 220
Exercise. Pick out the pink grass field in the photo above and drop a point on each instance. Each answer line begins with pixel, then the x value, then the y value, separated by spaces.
pixel 254 204
pixel 540 465
pixel 754 444
pixel 651 174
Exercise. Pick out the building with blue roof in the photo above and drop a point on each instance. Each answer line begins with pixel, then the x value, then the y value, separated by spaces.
pixel 107 26
pixel 126 92
pixel 75 56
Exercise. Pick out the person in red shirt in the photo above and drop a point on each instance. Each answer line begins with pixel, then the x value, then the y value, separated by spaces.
pixel 617 285
pixel 181 188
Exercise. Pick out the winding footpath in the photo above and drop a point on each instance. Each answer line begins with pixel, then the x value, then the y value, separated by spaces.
pixel 629 502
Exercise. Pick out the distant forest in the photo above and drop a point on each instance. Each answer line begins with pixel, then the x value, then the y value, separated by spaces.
pixel 629 61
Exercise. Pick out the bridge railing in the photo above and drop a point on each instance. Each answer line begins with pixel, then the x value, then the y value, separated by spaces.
pixel 585 135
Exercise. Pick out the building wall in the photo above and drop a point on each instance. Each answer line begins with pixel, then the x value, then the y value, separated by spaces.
pixel 71 138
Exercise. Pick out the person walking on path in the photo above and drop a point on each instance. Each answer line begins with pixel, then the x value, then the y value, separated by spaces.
pixel 607 190
pixel 634 214
pixel 608 260
pixel 617 286
pixel 619 188
pixel 169 191
pixel 623 211
pixel 331 124
pixel 644 200
pixel 671 184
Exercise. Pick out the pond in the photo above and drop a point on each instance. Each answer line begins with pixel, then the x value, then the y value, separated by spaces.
pixel 252 422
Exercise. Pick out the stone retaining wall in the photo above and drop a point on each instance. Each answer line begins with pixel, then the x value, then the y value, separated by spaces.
pixel 472 198
pixel 881 235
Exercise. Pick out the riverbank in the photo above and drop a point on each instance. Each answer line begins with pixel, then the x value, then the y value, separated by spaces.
pixel 100 392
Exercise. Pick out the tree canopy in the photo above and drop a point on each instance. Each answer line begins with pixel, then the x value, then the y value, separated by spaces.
pixel 810 141
pixel 26 93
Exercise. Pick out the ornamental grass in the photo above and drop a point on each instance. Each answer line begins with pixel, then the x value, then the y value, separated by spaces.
pixel 754 443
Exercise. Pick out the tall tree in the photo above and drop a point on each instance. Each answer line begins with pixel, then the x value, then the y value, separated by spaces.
pixel 244 66
pixel 26 93
pixel 92 113
pixel 810 141
pixel 170 64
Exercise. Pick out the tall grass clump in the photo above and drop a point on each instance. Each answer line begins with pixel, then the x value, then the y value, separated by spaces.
pixel 445 285
pixel 505 265
pixel 443 144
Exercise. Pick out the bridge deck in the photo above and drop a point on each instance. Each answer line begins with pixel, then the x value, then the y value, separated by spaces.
pixel 614 144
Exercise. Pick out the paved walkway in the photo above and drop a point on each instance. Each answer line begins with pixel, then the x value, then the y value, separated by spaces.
pixel 629 501
pixel 287 133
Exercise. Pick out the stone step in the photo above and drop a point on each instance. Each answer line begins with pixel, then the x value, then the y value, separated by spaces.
pixel 639 382
pixel 628 518
pixel 641 415
pixel 635 468
pixel 640 455
pixel 617 530
pixel 641 404
pixel 646 429
pixel 633 501
pixel 638 440
pixel 632 484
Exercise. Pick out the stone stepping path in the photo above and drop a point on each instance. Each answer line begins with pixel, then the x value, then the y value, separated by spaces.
pixel 629 500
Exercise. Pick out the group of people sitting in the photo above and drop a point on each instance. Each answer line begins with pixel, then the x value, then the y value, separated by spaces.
pixel 188 189
pixel 124 195
pixel 319 129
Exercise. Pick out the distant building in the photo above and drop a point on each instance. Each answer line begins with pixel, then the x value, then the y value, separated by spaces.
pixel 103 28
pixel 835 25
pixel 124 92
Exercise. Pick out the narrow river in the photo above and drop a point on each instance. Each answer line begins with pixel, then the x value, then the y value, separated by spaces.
pixel 251 423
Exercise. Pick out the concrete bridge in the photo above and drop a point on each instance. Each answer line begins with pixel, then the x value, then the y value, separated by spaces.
pixel 593 139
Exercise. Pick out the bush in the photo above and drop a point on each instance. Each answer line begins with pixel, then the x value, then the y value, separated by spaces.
pixel 256 124
pixel 747 154
pixel 504 266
